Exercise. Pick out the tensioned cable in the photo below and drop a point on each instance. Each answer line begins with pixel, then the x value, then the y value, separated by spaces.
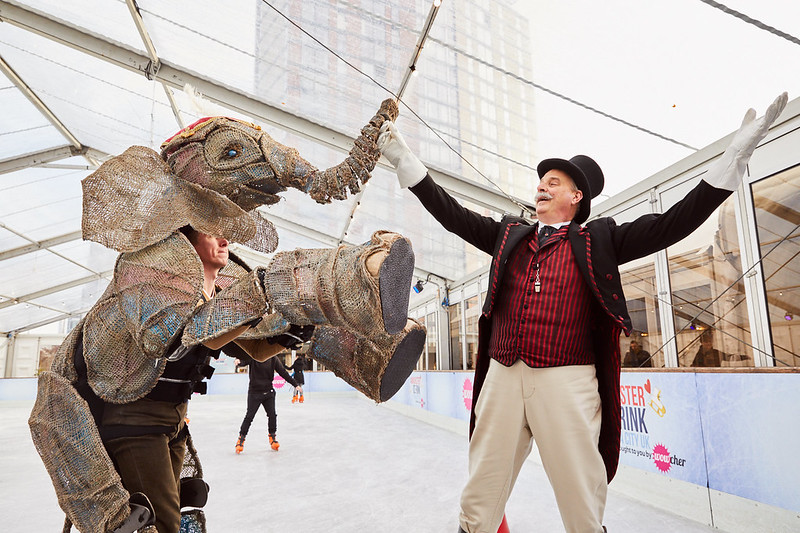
pixel 23 130
pixel 379 84
pixel 757 23
pixel 737 280
pixel 523 80
pixel 563 96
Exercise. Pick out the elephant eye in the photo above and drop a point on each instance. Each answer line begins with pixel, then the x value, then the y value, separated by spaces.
pixel 232 151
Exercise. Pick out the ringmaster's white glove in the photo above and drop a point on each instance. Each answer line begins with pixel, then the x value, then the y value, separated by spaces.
pixel 727 172
pixel 410 170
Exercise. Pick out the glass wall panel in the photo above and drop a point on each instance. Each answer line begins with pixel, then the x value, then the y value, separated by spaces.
pixel 454 316
pixel 423 357
pixel 433 334
pixel 711 318
pixel 644 347
pixel 472 311
pixel 777 206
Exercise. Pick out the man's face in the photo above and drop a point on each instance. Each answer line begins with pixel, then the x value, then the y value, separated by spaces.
pixel 634 346
pixel 213 251
pixel 557 198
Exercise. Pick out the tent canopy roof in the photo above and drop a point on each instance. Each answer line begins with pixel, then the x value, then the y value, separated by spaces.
pixel 498 87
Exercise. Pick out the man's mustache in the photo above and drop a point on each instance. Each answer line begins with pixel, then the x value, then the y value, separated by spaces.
pixel 542 196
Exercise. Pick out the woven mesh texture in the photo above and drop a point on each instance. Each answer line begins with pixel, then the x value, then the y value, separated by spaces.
pixel 155 290
pixel 191 462
pixel 273 324
pixel 358 360
pixel 330 286
pixel 133 200
pixel 62 360
pixel 233 270
pixel 88 488
pixel 334 182
pixel 294 289
pixel 358 293
pixel 241 302
pixel 193 521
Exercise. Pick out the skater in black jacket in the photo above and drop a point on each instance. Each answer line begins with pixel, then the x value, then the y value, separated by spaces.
pixel 297 372
pixel 261 393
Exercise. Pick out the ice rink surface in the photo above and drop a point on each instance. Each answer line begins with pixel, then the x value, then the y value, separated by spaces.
pixel 344 465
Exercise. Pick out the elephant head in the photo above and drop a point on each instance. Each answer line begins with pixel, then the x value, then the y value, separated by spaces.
pixel 213 175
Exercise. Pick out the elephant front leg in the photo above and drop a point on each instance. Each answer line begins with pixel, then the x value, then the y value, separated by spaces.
pixel 376 366
pixel 364 288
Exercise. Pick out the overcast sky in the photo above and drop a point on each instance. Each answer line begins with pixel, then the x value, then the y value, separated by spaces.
pixel 679 68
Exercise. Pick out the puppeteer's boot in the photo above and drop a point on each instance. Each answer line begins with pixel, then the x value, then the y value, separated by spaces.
pixel 273 442
pixel 294 398
pixel 240 444
pixel 301 398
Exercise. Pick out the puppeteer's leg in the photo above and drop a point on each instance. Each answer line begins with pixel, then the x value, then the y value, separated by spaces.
pixel 150 463
pixel 64 432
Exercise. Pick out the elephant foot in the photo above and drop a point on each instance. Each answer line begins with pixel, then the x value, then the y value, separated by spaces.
pixel 394 281
pixel 376 366
pixel 402 363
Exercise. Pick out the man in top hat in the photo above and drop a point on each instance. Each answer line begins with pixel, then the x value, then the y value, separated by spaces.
pixel 548 360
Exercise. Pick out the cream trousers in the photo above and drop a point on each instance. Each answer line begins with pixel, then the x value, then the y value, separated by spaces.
pixel 559 407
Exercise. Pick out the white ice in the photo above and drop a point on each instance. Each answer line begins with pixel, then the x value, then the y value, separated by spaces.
pixel 344 465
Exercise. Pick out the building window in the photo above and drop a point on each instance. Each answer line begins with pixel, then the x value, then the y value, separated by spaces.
pixel 777 206
pixel 644 347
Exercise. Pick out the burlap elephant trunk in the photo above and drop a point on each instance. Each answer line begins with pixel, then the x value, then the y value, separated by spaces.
pixel 334 182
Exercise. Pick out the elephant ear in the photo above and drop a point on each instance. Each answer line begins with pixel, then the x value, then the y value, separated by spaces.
pixel 133 200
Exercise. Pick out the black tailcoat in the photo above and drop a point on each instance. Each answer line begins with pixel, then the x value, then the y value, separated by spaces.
pixel 599 247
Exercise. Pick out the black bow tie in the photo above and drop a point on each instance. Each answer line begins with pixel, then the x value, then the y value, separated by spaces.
pixel 544 233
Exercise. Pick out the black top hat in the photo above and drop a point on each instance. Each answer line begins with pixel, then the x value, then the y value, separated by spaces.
pixel 586 174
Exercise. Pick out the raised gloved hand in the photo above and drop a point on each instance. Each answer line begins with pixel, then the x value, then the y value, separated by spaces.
pixel 295 337
pixel 410 170
pixel 727 172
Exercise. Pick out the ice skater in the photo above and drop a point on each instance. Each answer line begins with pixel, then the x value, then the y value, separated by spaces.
pixel 261 393
pixel 297 368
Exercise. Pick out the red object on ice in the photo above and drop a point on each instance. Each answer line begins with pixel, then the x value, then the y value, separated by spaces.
pixel 503 526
